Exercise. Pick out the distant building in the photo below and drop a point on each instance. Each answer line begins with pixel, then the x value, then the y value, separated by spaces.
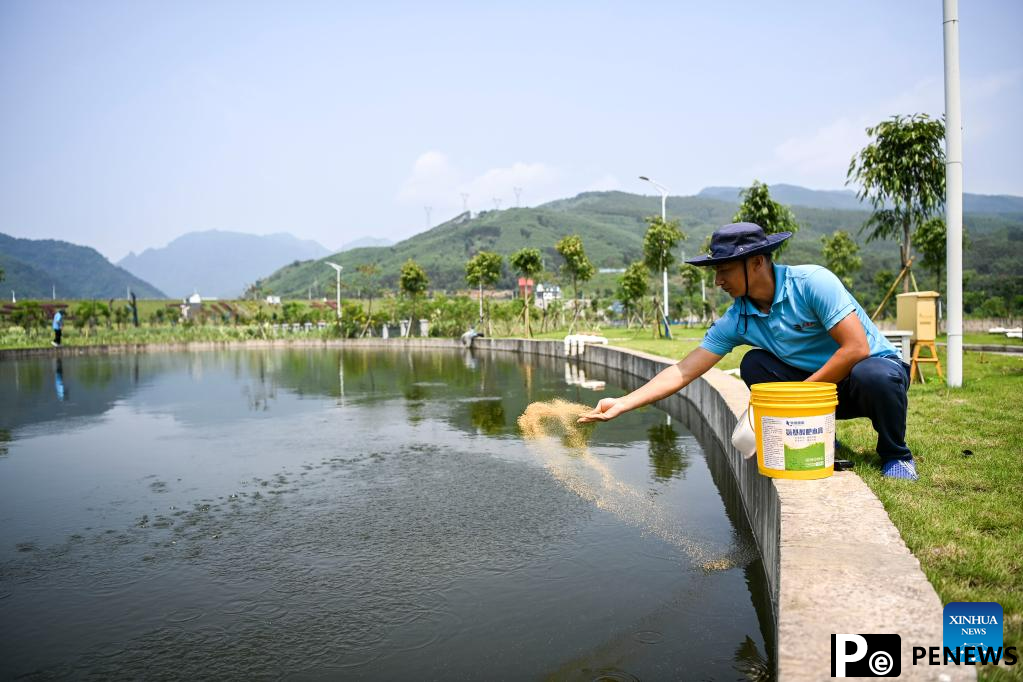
pixel 275 300
pixel 191 307
pixel 547 293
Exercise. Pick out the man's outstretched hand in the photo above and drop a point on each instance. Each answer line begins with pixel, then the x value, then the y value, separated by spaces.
pixel 606 410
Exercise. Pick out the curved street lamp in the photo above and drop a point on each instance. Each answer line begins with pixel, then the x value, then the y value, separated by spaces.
pixel 338 269
pixel 664 219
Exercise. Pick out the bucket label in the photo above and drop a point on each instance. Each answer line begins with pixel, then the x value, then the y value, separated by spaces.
pixel 798 443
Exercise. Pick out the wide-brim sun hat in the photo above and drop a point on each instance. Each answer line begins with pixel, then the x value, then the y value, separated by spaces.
pixel 738 241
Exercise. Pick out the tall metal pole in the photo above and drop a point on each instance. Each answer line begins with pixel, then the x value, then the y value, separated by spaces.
pixel 664 219
pixel 953 194
pixel 338 269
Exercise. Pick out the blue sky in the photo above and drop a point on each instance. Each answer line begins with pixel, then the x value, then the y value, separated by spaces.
pixel 126 124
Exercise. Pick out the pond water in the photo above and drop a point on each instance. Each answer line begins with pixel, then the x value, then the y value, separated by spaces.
pixel 366 514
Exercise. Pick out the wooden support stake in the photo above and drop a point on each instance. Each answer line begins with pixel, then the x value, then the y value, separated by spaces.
pixel 884 301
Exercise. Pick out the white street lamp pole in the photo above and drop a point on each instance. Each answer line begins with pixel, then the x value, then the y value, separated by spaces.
pixel 337 269
pixel 664 219
pixel 953 194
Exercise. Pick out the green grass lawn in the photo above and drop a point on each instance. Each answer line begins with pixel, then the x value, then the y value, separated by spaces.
pixel 985 339
pixel 963 519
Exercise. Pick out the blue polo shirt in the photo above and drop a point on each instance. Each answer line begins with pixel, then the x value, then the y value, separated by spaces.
pixel 808 301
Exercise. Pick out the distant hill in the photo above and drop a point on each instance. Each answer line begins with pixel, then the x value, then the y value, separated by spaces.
pixel 612 227
pixel 218 263
pixel 33 267
pixel 845 199
pixel 610 223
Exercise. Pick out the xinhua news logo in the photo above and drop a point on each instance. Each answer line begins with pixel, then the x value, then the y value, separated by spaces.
pixel 975 627
pixel 866 655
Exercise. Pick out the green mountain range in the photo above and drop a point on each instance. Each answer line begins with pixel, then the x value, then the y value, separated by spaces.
pixel 611 226
pixel 38 268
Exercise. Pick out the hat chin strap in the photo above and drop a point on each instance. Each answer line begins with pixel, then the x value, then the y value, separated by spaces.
pixel 743 316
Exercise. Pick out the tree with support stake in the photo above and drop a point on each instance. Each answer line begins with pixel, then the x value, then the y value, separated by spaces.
pixel 902 173
pixel 899 278
pixel 528 263
pixel 484 270
pixel 577 266
pixel 661 238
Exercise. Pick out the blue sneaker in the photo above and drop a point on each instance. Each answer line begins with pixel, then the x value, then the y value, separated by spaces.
pixel 900 468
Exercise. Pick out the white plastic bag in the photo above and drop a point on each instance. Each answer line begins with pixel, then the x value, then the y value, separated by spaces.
pixel 743 437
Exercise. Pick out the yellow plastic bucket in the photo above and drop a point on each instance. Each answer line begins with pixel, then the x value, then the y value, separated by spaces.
pixel 795 427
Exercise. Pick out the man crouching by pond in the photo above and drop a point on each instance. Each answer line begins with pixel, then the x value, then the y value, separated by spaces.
pixel 803 326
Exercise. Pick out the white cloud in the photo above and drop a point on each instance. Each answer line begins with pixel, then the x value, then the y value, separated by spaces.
pixel 432 177
pixel 437 182
pixel 820 157
pixel 537 180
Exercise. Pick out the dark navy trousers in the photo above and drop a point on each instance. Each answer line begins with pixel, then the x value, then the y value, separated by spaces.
pixel 876 388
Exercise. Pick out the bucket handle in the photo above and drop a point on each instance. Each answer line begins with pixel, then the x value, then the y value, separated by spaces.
pixel 749 417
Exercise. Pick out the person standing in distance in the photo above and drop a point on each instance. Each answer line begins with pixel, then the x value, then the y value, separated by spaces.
pixel 58 327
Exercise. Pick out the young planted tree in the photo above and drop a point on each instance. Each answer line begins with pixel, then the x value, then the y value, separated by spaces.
pixel 660 240
pixel 902 173
pixel 121 315
pixel 758 207
pixel 841 255
pixel 367 285
pixel 483 270
pixel 691 278
pixel 413 282
pixel 528 263
pixel 87 314
pixel 577 266
pixel 28 314
pixel 632 287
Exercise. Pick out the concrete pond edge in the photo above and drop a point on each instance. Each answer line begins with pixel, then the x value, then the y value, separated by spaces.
pixel 833 560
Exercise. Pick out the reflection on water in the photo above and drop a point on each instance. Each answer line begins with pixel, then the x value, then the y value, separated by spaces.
pixel 667 456
pixel 369 514
pixel 488 416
